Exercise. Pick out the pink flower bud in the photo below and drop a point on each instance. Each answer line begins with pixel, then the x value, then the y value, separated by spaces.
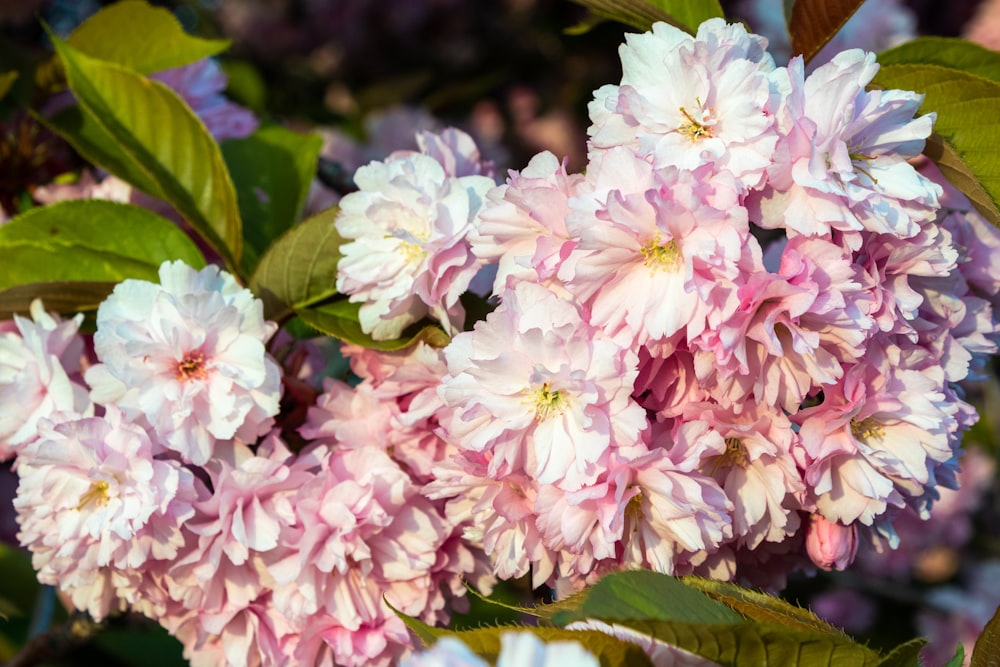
pixel 831 545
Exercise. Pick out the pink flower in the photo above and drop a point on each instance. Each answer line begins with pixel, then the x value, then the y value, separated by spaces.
pixel 187 356
pixel 692 101
pixel 842 163
pixel 517 649
pixel 95 507
pixel 39 375
pixel 831 545
pixel 222 568
pixel 540 390
pixel 791 330
pixel 497 516
pixel 678 511
pixel 879 436
pixel 523 225
pixel 652 245
pixel 406 254
pixel 361 532
pixel 200 85
pixel 756 470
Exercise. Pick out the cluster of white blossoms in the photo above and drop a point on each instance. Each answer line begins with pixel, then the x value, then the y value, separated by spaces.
pixel 733 346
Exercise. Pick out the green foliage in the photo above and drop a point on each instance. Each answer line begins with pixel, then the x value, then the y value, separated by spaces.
pixel 141 37
pixel 90 240
pixel 948 52
pixel 722 622
pixel 987 649
pixel 340 319
pixel 64 297
pixel 904 655
pixel 300 268
pixel 759 644
pixel 149 128
pixel 485 642
pixel 642 14
pixel 813 23
pixel 271 171
pixel 761 607
pixel 958 659
pixel 644 594
pixel 967 128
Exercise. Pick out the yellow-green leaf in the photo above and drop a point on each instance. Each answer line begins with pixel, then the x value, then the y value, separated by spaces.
pixel 759 644
pixel 813 23
pixel 987 650
pixel 161 137
pixel 761 607
pixel 904 655
pixel 636 13
pixel 966 145
pixel 143 38
pixel 951 52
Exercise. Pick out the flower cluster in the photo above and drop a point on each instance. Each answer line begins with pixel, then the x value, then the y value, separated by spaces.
pixel 169 489
pixel 731 346
pixel 738 335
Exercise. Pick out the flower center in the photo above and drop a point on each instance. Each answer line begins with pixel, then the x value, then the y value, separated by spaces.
pixel 666 256
pixel 412 252
pixel 695 129
pixel 633 511
pixel 192 366
pixel 548 402
pixel 866 429
pixel 97 493
pixel 860 162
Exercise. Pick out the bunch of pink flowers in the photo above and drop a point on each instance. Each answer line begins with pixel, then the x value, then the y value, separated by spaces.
pixel 736 340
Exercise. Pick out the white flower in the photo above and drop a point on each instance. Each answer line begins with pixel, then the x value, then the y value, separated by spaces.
pixel 187 356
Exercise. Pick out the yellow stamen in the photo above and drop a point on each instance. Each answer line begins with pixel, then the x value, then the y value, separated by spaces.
pixel 666 256
pixel 866 429
pixel 192 366
pixel 547 401
pixel 695 130
pixel 98 493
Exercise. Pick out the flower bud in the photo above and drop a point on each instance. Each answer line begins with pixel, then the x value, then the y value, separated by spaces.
pixel 831 545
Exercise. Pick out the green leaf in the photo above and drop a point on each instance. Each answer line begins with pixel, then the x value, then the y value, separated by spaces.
pixel 96 144
pixel 141 37
pixel 761 607
pixel 987 647
pixel 647 595
pixel 63 297
pixel 904 655
pixel 161 137
pixel 759 644
pixel 485 642
pixel 951 52
pixel 8 609
pixel 272 170
pixel 300 268
pixel 958 659
pixel 636 13
pixel 340 320
pixel 813 23
pixel 689 14
pixel 7 80
pixel 90 240
pixel 966 140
